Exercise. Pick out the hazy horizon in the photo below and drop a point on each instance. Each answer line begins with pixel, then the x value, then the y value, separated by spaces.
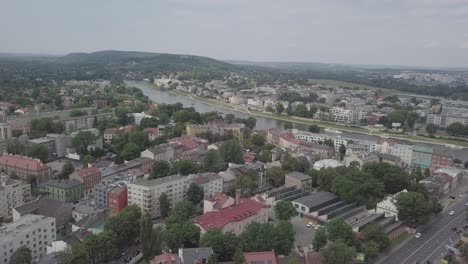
pixel 416 33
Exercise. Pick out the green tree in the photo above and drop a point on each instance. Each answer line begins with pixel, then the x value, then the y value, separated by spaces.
pixel 288 125
pixel 130 151
pixel 279 108
pixel 342 151
pixel 456 129
pixel 149 122
pixel 125 225
pixel 258 237
pixel 82 140
pixel 195 193
pixel 181 213
pixel 87 159
pixel 182 235
pixel 337 252
pixel 231 151
pixel 160 168
pixel 301 111
pixel 257 139
pixel 320 239
pixel 164 205
pixel 239 257
pixel 465 164
pixel 67 169
pixel 184 167
pixel 291 164
pixel 39 151
pixel 270 109
pixel 276 176
pixel 21 256
pixel 371 251
pixel 325 178
pixel 284 237
pixel 431 129
pixel 213 162
pixel 284 210
pixel 74 254
pixel 314 129
pixel 15 147
pixel 339 229
pixel 139 138
pixel 414 208
pixel 395 179
pixel 150 238
pixel 223 245
pixel 376 234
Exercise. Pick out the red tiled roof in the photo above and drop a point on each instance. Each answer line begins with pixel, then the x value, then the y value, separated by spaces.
pixel 22 162
pixel 290 137
pixel 189 143
pixel 151 130
pixel 88 171
pixel 260 257
pixel 233 213
pixel 220 198
pixel 249 157
pixel 116 191
pixel 390 141
pixel 166 258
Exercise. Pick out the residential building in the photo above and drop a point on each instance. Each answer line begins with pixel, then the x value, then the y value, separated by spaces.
pixel 210 182
pixel 217 202
pixel 60 211
pixel 161 152
pixel 138 117
pixel 195 255
pixel 84 210
pixel 25 168
pixel 13 193
pixel 117 199
pixel 36 232
pixel 300 180
pixel 217 127
pixel 146 193
pixel 152 132
pixel 341 115
pixel 317 150
pixel 166 258
pixel 441 158
pixel 89 177
pixel 62 142
pixel 265 257
pixel 421 157
pixel 235 218
pixel 64 190
pixel 388 205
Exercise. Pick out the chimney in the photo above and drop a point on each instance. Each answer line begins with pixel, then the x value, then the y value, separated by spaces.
pixel 238 194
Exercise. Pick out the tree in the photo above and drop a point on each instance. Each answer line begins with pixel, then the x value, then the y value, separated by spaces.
pixel 67 169
pixel 276 176
pixel 15 147
pixel 21 256
pixel 270 109
pixel 160 168
pixel 150 238
pixel 181 213
pixel 250 122
pixel 212 259
pixel 182 235
pixel 288 125
pixel 414 208
pixel 164 205
pixel 284 210
pixel 371 251
pixel 184 167
pixel 213 162
pixel 130 151
pixel 39 151
pixel 314 129
pixel 74 254
pixel 291 164
pixel 149 122
pixel 337 252
pixel 431 129
pixel 456 129
pixel 339 229
pixel 257 139
pixel 279 108
pixel 325 178
pixel 395 179
pixel 258 237
pixel 82 140
pixel 125 225
pixel 139 138
pixel 223 245
pixel 195 193
pixel 376 234
pixel 284 237
pixel 342 151
pixel 320 239
pixel 247 182
pixel 239 257
pixel 427 172
pixel 231 151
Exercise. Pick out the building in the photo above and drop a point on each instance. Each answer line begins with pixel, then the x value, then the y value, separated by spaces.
pixel 421 157
pixel 64 190
pixel 216 127
pixel 326 163
pixel 341 115
pixel 166 258
pixel 62 143
pixel 217 202
pixel 47 142
pixel 27 169
pixel 89 177
pixel 138 117
pixel 146 193
pixel 85 210
pixel 36 232
pixel 5 128
pixel 210 182
pixel 441 158
pixel 13 193
pixel 161 152
pixel 152 132
pixel 60 211
pixel 234 218
pixel 195 255
pixel 388 205
pixel 310 203
pixel 300 180
pixel 265 257
pixel 117 199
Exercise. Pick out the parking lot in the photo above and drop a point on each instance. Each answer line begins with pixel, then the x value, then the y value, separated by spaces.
pixel 304 234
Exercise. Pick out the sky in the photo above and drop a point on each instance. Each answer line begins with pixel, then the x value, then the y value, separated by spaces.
pixel 430 33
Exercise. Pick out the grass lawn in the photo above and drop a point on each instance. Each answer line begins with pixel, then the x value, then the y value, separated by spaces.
pixel 398 240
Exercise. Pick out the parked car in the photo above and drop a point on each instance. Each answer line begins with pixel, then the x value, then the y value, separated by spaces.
pixel 417 235
pixel 136 253
pixel 127 259
pixel 451 212
pixel 310 224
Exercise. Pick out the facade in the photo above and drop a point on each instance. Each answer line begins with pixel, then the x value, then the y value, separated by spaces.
pixel 12 194
pixel 152 132
pixel 146 193
pixel 217 127
pixel 117 199
pixel 5 128
pixel 421 157
pixel 25 168
pixel 161 152
pixel 441 159
pixel 388 207
pixel 89 177
pixel 62 142
pixel 60 211
pixel 36 232
pixel 341 115
pixel 326 163
pixel 210 182
pixel 234 218
pixel 300 180
pixel 64 190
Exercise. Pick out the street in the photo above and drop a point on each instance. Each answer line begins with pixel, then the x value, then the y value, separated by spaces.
pixel 130 250
pixel 433 238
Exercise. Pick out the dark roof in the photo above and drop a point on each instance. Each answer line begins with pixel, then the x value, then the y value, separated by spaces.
pixel 43 206
pixel 316 199
pixel 196 255
pixel 299 176
pixel 63 184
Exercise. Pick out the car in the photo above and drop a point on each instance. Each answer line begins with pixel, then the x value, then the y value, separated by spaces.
pixel 310 224
pixel 451 212
pixel 136 253
pixel 317 227
pixel 452 197
pixel 127 260
pixel 417 235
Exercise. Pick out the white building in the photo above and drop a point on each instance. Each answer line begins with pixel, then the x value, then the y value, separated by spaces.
pixel 327 163
pixel 388 205
pixel 146 193
pixel 341 115
pixel 137 117
pixel 319 138
pixel 211 183
pixel 33 231
pixel 12 194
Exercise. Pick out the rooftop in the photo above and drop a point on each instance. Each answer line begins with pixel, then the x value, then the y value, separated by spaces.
pixel 87 171
pixel 422 149
pixel 265 257
pixel 195 255
pixel 7 231
pixel 63 184
pixel 234 213
pixel 316 199
pixel 22 162
pixel 147 183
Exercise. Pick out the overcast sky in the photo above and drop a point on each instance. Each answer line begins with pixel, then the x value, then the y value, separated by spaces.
pixel 390 32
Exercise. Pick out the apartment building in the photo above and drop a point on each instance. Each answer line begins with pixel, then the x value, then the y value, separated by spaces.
pixel 25 168
pixel 217 127
pixel 64 190
pixel 89 177
pixel 12 194
pixel 161 152
pixel 117 199
pixel 341 115
pixel 421 157
pixel 146 193
pixel 319 138
pixel 33 231
pixel 211 183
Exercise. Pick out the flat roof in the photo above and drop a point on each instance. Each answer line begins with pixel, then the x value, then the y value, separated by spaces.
pixel 316 199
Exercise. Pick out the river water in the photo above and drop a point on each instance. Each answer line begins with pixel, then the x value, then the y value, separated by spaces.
pixel 264 123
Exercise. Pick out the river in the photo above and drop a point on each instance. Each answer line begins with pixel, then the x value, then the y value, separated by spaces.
pixel 264 123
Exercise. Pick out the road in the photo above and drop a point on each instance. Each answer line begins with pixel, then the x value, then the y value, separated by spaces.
pixel 121 260
pixel 433 239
